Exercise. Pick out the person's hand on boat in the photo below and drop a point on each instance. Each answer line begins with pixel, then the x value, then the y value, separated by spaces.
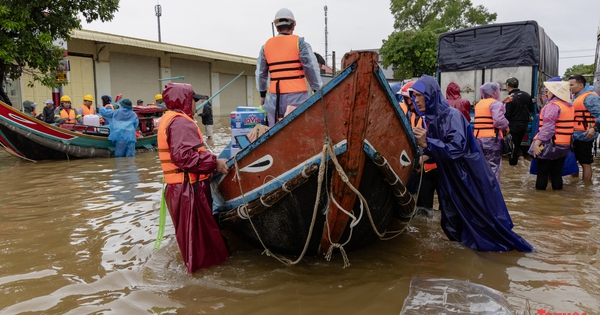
pixel 421 136
pixel 222 166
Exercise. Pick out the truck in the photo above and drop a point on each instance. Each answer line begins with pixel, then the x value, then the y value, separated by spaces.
pixel 493 53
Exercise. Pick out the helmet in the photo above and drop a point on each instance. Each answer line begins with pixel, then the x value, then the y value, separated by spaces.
pixel 158 97
pixel 405 87
pixel 88 98
pixel 65 98
pixel 286 15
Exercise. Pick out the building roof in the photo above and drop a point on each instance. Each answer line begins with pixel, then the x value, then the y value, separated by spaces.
pixel 105 38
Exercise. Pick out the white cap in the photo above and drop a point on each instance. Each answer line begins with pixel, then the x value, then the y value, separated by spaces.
pixel 286 15
pixel 49 102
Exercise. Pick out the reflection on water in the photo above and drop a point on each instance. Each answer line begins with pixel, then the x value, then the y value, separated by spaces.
pixel 76 237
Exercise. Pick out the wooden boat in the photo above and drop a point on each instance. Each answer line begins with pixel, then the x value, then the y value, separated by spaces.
pixel 280 195
pixel 34 139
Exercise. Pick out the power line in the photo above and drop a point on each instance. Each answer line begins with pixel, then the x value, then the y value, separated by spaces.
pixel 576 57
pixel 576 50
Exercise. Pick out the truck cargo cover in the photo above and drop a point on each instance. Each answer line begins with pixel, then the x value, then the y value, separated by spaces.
pixel 496 46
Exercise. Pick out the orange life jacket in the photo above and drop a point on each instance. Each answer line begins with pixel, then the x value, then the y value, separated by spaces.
pixel 583 118
pixel 564 124
pixel 69 117
pixel 414 119
pixel 484 122
pixel 173 174
pixel 87 111
pixel 282 54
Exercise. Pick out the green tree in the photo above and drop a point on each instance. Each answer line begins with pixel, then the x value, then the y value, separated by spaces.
pixel 587 71
pixel 410 52
pixel 425 20
pixel 29 28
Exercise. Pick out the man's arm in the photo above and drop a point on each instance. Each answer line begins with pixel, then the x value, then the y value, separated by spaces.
pixel 310 65
pixel 262 73
pixel 592 104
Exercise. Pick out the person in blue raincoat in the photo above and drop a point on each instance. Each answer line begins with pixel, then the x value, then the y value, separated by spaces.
pixel 123 122
pixel 474 212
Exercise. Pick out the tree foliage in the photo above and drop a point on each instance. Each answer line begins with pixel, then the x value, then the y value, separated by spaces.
pixel 587 71
pixel 411 53
pixel 422 20
pixel 28 29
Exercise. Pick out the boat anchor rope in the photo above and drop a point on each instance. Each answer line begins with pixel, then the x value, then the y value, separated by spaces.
pixel 303 175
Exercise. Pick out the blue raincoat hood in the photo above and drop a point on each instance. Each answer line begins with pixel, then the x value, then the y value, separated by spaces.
pixel 435 102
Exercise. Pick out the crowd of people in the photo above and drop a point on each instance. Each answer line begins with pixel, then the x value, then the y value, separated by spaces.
pixel 458 160
pixel 468 157
pixel 119 117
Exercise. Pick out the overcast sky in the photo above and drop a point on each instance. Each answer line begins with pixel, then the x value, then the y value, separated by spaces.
pixel 241 27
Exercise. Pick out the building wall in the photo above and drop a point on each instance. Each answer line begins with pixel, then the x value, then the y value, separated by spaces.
pixel 38 93
pixel 196 73
pixel 111 64
pixel 134 76
pixel 234 95
pixel 81 80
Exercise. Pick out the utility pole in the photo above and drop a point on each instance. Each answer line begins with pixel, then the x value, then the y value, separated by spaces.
pixel 158 11
pixel 325 8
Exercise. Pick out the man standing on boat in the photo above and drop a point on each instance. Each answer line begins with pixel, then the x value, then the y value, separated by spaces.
pixel 285 63
pixel 87 108
pixel 65 113
pixel 47 115
pixel 187 166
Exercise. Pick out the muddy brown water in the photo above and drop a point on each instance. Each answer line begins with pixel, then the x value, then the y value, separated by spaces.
pixel 76 237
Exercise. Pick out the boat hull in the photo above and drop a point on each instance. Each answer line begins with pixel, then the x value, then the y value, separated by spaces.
pixel 28 137
pixel 370 154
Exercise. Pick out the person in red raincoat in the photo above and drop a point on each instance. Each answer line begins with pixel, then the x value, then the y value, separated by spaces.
pixel 187 165
pixel 455 100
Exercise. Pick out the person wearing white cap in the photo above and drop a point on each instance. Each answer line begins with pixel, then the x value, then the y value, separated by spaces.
pixel 48 112
pixel 552 143
pixel 284 65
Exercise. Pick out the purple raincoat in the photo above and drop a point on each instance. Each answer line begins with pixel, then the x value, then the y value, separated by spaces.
pixel 474 211
pixel 198 235
pixel 550 151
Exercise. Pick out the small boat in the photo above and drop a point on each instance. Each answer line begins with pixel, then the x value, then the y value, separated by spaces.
pixel 33 139
pixel 331 174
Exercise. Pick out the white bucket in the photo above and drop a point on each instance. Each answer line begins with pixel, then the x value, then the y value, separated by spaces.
pixel 91 120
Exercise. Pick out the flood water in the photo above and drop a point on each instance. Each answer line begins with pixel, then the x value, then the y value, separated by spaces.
pixel 76 237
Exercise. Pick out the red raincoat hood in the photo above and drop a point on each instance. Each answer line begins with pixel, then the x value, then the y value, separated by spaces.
pixel 179 97
pixel 452 91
